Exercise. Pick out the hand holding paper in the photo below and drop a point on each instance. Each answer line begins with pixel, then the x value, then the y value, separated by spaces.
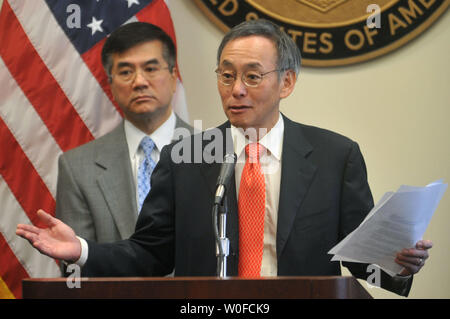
pixel 397 221
pixel 413 259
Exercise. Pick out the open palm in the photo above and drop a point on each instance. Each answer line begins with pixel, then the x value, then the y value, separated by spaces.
pixel 57 240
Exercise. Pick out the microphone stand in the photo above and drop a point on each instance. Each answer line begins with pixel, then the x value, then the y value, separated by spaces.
pixel 220 203
pixel 222 242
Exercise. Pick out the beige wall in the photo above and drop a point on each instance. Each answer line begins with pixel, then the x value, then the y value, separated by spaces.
pixel 396 107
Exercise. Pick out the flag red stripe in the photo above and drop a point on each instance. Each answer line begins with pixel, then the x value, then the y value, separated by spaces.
pixel 13 279
pixel 39 85
pixel 158 13
pixel 22 178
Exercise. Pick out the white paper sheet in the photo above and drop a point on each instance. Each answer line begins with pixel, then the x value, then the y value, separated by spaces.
pixel 396 222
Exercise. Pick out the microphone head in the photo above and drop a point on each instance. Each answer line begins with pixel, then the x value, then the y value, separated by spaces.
pixel 230 158
pixel 227 169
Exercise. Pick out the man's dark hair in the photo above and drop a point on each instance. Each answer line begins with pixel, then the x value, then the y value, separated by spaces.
pixel 289 57
pixel 132 34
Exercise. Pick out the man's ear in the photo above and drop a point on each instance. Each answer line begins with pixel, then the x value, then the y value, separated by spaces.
pixel 175 77
pixel 288 83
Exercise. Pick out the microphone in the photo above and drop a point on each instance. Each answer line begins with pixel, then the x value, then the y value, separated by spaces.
pixel 222 243
pixel 226 171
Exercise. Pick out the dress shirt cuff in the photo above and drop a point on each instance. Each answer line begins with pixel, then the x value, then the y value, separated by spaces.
pixel 84 252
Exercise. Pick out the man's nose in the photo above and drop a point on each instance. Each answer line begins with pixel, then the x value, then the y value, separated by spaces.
pixel 239 88
pixel 140 79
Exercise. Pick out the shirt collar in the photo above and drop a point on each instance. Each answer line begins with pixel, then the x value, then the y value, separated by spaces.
pixel 162 136
pixel 272 141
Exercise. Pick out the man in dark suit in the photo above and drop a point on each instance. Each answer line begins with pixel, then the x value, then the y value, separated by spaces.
pixel 314 186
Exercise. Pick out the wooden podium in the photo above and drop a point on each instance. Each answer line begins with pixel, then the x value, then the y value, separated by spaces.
pixel 196 288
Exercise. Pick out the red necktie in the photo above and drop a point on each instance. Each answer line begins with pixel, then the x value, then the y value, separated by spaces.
pixel 251 205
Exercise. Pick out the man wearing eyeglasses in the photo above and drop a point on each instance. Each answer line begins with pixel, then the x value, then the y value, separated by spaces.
pixel 99 191
pixel 297 190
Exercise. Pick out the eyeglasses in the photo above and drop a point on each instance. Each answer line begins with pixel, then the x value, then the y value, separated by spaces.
pixel 128 75
pixel 249 78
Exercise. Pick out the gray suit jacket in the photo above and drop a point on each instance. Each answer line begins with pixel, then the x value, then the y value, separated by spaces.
pixel 96 192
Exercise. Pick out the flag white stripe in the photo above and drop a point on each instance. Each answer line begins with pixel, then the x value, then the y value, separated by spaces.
pixel 28 129
pixel 44 32
pixel 179 98
pixel 179 102
pixel 36 264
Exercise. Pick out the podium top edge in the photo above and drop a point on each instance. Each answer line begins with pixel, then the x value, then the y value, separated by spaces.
pixel 195 278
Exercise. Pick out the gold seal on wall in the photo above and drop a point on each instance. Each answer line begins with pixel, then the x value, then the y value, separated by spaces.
pixel 334 32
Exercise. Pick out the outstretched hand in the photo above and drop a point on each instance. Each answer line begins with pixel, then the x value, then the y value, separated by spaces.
pixel 57 240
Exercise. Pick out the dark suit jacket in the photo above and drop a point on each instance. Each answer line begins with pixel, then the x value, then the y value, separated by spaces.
pixel 324 195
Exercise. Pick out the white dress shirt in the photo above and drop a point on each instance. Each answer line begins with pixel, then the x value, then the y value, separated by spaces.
pixel 271 167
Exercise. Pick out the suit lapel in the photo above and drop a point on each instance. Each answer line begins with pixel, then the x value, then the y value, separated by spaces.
pixel 296 176
pixel 116 182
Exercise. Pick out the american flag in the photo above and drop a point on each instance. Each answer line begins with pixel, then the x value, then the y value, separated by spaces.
pixel 54 96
